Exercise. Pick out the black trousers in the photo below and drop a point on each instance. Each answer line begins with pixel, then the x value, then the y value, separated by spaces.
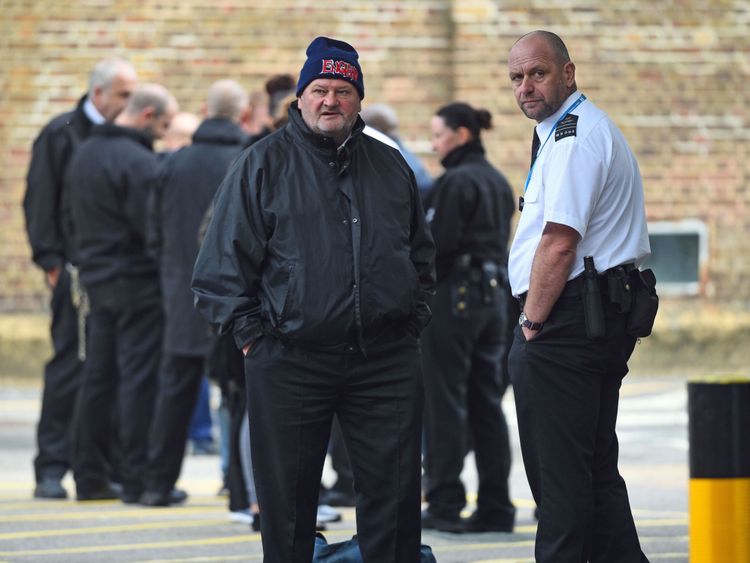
pixel 179 386
pixel 292 398
pixel 122 365
pixel 567 390
pixel 462 361
pixel 62 378
pixel 340 460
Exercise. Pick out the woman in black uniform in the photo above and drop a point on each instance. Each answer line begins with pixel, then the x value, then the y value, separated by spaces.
pixel 469 210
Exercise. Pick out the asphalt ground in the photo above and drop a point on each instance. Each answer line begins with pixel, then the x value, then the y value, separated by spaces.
pixel 653 435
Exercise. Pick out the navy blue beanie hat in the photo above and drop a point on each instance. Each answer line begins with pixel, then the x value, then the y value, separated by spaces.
pixel 331 58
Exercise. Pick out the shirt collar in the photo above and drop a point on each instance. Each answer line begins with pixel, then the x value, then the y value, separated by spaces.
pixel 543 129
pixel 92 113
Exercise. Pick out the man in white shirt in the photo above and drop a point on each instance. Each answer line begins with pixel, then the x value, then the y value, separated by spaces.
pixel 583 197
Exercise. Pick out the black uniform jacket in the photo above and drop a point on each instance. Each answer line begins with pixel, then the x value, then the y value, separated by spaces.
pixel 111 175
pixel 323 248
pixel 46 203
pixel 190 177
pixel 470 209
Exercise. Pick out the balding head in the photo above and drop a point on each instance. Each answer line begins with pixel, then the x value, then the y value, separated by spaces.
pixel 382 117
pixel 150 109
pixel 226 100
pixel 180 131
pixel 111 83
pixel 552 41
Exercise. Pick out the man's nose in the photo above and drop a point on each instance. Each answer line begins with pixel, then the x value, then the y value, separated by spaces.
pixel 527 85
pixel 330 99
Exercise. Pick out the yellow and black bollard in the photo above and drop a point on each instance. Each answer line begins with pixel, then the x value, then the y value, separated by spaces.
pixel 719 434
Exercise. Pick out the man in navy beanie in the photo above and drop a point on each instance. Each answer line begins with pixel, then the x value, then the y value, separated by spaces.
pixel 319 263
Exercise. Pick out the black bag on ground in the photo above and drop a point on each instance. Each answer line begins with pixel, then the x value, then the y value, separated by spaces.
pixel 348 551
pixel 645 303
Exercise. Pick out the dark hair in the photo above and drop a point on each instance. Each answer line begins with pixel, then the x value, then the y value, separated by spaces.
pixel 459 114
pixel 280 83
pixel 278 87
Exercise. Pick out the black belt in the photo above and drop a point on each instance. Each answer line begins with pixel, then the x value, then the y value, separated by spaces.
pixel 574 287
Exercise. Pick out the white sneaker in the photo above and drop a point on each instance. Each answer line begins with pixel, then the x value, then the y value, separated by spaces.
pixel 241 517
pixel 328 514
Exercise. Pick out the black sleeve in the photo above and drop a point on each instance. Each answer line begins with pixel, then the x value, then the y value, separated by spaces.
pixel 42 201
pixel 423 258
pixel 452 203
pixel 226 277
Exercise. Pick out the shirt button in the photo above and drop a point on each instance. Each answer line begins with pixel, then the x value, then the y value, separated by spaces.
pixel 345 221
pixel 355 220
pixel 350 348
pixel 331 164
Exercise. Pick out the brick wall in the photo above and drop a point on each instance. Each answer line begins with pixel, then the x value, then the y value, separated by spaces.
pixel 673 78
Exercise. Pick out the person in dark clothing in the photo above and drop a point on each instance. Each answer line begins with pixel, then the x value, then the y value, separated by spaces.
pixel 46 210
pixel 190 178
pixel 319 261
pixel 383 118
pixel 469 210
pixel 111 176
pixel 278 88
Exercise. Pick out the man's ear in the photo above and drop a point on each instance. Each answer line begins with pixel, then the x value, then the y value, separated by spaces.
pixel 569 72
pixel 148 113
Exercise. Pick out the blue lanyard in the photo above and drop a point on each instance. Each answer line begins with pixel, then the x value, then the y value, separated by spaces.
pixel 573 106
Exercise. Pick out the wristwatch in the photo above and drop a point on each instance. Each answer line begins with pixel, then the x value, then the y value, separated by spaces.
pixel 531 325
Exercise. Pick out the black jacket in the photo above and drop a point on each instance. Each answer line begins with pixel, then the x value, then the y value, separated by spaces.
pixel 324 248
pixel 46 202
pixel 111 175
pixel 189 181
pixel 469 209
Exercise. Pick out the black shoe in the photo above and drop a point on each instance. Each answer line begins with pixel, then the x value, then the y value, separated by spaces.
pixel 130 497
pixel 256 522
pixel 479 523
pixel 177 496
pixel 50 488
pixel 160 498
pixel 104 492
pixel 432 522
pixel 154 498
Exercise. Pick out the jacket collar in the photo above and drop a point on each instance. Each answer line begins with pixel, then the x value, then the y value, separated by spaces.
pixel 471 151
pixel 219 131
pixel 112 130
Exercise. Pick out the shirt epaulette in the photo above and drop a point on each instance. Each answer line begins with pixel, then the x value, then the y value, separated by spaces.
pixel 567 127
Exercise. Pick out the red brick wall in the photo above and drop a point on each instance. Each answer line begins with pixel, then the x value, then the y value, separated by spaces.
pixel 673 78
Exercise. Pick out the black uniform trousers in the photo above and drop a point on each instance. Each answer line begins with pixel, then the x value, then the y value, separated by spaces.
pixel 462 361
pixel 340 461
pixel 292 397
pixel 122 364
pixel 179 386
pixel 62 378
pixel 566 390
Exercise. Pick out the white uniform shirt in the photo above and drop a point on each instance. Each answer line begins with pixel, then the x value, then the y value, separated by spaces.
pixel 585 177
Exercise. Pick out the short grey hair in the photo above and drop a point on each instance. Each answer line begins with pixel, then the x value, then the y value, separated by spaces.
pixel 104 72
pixel 226 100
pixel 151 95
pixel 382 117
